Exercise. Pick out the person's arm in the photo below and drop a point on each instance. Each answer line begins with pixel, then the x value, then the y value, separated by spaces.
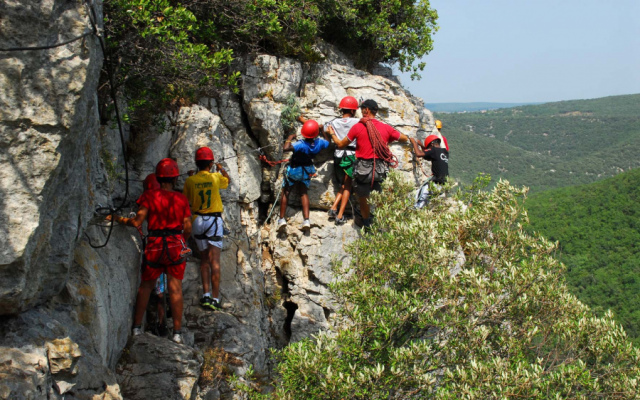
pixel 287 144
pixel 416 148
pixel 340 143
pixel 222 171
pixel 403 138
pixel 186 227
pixel 136 221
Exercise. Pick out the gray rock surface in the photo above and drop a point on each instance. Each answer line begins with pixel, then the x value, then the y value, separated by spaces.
pixel 157 368
pixel 49 160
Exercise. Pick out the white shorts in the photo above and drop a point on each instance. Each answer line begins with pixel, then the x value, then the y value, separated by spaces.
pixel 209 225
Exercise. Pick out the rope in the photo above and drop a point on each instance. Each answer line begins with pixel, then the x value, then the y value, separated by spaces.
pixel 113 95
pixel 53 46
pixel 271 163
pixel 380 148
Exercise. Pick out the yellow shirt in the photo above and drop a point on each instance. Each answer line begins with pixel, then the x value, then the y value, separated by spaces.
pixel 203 191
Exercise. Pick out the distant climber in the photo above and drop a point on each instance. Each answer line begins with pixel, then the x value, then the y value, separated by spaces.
pixel 203 192
pixel 169 222
pixel 343 159
pixel 439 158
pixel 301 169
pixel 443 140
pixel 373 156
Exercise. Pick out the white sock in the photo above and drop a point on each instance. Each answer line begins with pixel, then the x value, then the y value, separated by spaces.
pixel 216 299
pixel 208 294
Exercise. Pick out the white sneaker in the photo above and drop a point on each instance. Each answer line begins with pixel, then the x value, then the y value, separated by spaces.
pixel 306 225
pixel 177 338
pixel 282 224
pixel 137 331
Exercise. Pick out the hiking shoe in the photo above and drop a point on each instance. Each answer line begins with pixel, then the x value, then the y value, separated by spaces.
pixel 306 225
pixel 332 214
pixel 137 331
pixel 282 224
pixel 215 304
pixel 341 221
pixel 205 302
pixel 177 338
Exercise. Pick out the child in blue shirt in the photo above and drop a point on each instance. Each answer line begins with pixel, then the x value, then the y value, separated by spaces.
pixel 300 169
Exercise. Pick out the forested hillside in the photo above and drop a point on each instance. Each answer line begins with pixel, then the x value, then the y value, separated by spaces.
pixel 547 146
pixel 598 229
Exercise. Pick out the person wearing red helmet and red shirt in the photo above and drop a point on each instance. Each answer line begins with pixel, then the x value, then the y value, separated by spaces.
pixel 203 192
pixel 301 169
pixel 439 158
pixel 168 219
pixel 365 179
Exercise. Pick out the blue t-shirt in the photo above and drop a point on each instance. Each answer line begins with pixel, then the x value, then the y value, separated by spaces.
pixel 310 148
pixel 304 150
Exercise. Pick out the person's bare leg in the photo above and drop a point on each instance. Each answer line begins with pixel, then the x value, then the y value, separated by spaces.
pixel 175 300
pixel 338 199
pixel 346 192
pixel 364 206
pixel 142 299
pixel 283 201
pixel 214 254
pixel 304 199
pixel 205 270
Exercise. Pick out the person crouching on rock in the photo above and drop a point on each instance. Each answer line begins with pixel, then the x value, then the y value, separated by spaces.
pixel 169 222
pixel 439 158
pixel 203 192
pixel 301 169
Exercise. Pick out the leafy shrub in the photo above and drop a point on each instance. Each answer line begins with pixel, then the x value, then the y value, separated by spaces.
pixel 290 113
pixel 504 326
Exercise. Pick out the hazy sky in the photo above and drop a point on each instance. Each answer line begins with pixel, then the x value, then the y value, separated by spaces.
pixel 531 51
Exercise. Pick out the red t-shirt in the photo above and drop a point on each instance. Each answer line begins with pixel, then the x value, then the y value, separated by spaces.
pixel 167 209
pixel 363 145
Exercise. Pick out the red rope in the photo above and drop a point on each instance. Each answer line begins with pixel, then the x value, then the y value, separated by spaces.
pixel 380 148
pixel 271 163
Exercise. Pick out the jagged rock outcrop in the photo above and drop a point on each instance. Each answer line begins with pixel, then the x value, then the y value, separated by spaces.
pixel 49 161
pixel 70 304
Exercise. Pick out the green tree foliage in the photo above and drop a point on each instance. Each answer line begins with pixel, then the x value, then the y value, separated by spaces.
pixel 503 327
pixel 598 230
pixel 547 146
pixel 160 53
pixel 166 50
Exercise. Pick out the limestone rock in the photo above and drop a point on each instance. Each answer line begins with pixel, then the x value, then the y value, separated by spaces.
pixel 49 148
pixel 157 368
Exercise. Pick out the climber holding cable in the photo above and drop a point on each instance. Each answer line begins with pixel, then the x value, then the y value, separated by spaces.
pixel 203 192
pixel 169 222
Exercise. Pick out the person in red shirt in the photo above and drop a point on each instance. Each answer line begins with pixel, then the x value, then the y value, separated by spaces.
pixel 365 179
pixel 168 219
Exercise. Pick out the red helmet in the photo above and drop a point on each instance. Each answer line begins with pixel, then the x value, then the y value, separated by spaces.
pixel 310 129
pixel 430 139
pixel 204 154
pixel 348 103
pixel 151 183
pixel 167 168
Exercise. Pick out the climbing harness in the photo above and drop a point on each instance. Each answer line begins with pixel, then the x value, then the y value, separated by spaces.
pixel 165 247
pixel 205 235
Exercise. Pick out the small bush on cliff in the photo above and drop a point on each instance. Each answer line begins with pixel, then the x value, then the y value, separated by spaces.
pixel 504 326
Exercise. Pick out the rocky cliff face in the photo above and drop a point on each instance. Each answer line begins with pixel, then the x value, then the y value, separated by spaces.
pixel 67 306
